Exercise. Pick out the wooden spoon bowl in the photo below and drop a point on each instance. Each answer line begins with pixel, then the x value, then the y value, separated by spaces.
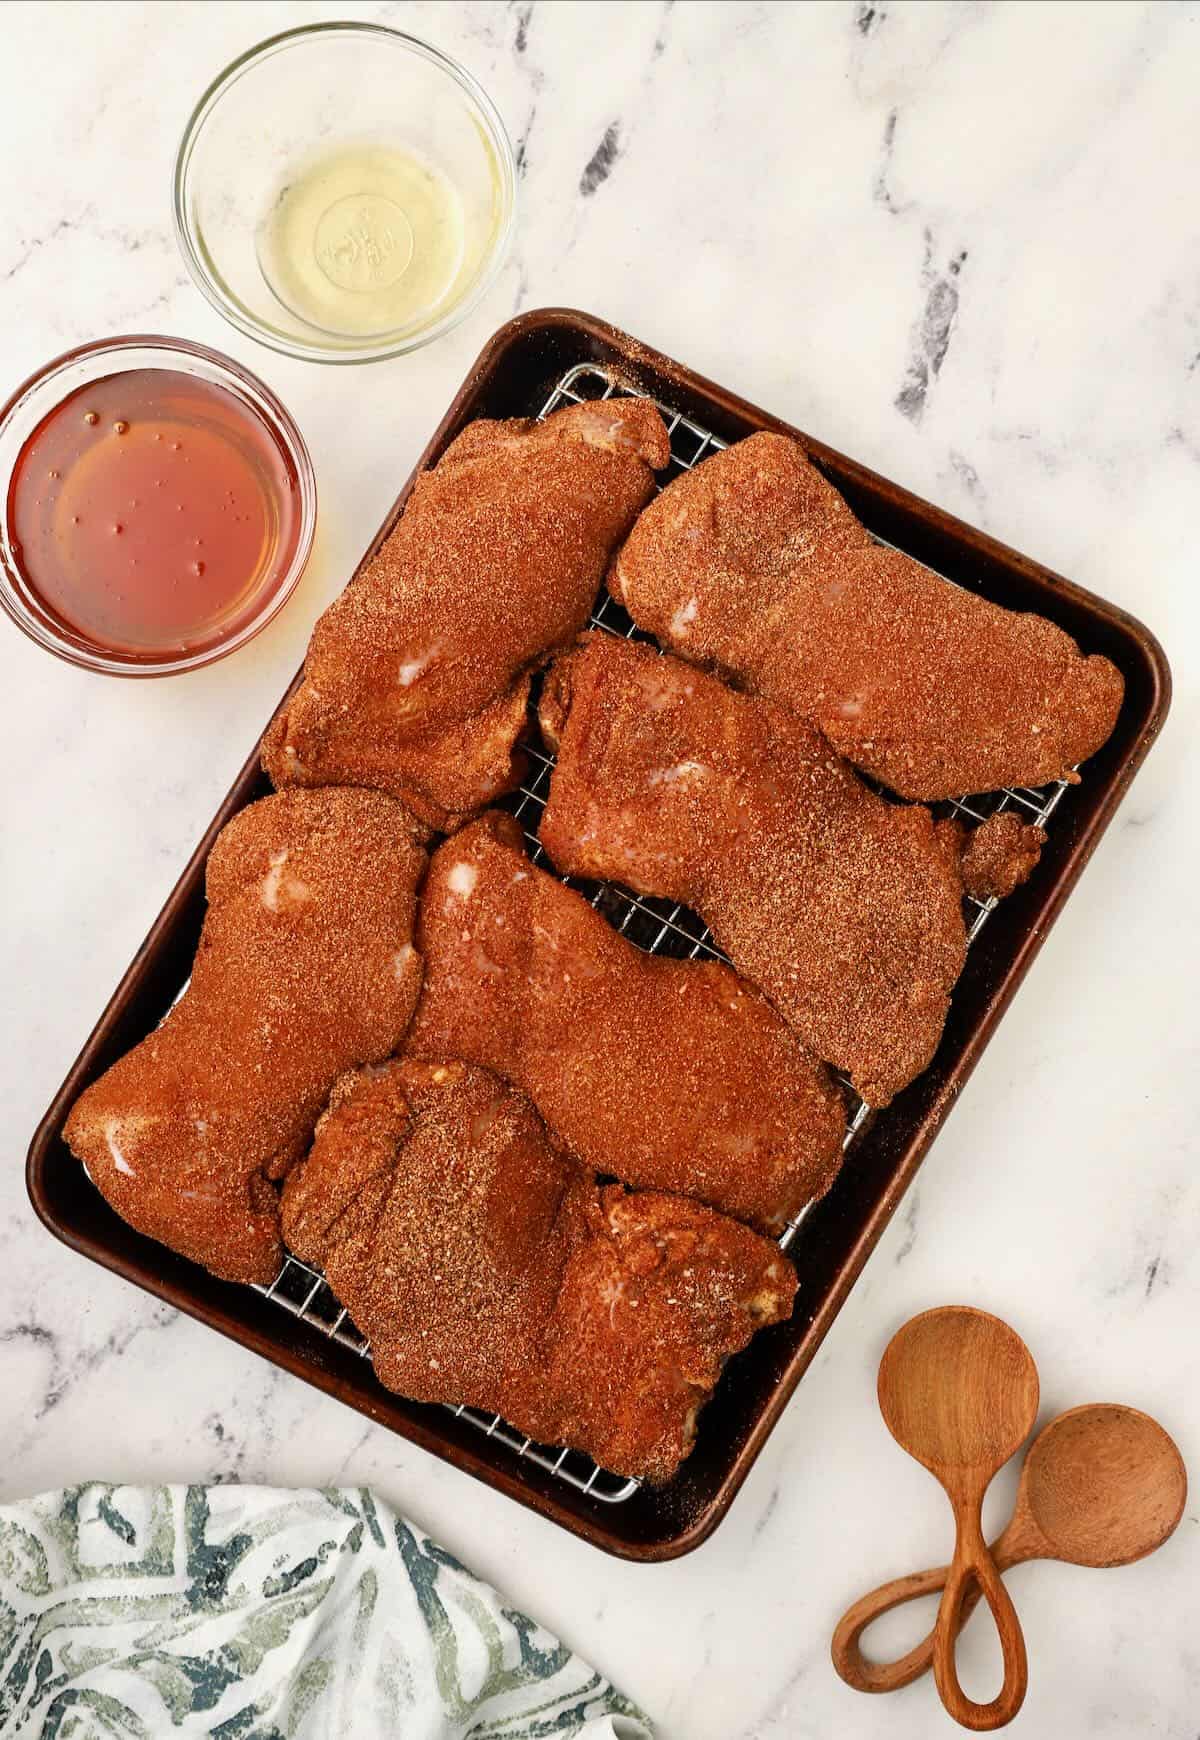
pixel 1103 1485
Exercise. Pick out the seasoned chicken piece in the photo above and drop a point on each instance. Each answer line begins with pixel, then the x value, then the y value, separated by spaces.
pixel 845 910
pixel 999 855
pixel 487 1268
pixel 754 564
pixel 305 966
pixel 669 1074
pixel 417 677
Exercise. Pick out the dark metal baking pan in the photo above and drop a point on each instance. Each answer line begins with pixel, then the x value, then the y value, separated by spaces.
pixel 518 374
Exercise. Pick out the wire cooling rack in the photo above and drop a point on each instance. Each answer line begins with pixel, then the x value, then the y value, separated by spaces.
pixel 659 927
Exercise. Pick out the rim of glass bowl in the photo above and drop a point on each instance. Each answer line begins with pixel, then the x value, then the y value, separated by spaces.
pixel 58 639
pixel 208 281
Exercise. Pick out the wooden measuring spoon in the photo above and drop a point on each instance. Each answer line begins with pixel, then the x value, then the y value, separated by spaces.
pixel 1102 1485
pixel 958 1390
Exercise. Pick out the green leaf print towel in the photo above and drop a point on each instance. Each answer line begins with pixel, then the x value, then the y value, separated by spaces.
pixel 247 1613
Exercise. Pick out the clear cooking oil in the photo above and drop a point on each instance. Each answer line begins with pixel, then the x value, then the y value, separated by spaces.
pixel 364 240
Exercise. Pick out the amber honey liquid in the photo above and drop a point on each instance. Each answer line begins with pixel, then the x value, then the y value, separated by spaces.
pixel 152 512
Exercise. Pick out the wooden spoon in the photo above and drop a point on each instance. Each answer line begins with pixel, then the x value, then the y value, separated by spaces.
pixel 1102 1485
pixel 958 1390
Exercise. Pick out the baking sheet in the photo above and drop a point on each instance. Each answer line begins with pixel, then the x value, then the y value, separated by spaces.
pixel 516 375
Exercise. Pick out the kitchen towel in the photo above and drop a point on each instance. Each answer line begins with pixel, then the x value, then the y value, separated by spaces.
pixel 250 1613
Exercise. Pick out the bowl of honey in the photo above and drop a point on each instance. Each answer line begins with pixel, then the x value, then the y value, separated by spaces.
pixel 159 506
pixel 344 192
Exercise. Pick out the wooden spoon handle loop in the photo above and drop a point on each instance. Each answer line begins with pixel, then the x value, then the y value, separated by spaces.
pixel 973 1568
pixel 889 1676
pixel 872 1676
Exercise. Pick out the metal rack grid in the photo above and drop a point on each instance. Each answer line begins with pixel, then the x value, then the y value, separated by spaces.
pixel 658 926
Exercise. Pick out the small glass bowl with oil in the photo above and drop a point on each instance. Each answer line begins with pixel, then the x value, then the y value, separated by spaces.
pixel 157 506
pixel 344 193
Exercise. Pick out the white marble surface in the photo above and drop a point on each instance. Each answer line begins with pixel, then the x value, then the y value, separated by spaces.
pixel 959 241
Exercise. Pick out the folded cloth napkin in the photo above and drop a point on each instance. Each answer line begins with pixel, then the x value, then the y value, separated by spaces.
pixel 248 1613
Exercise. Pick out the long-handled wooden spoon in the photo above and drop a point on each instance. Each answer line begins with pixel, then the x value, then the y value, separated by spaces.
pixel 958 1390
pixel 1102 1485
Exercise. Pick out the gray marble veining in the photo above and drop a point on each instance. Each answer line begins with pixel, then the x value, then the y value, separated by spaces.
pixel 957 240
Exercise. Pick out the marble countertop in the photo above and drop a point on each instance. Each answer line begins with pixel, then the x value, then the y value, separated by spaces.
pixel 958 241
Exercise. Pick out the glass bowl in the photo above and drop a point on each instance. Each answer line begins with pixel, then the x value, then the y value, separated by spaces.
pixel 44 392
pixel 287 157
